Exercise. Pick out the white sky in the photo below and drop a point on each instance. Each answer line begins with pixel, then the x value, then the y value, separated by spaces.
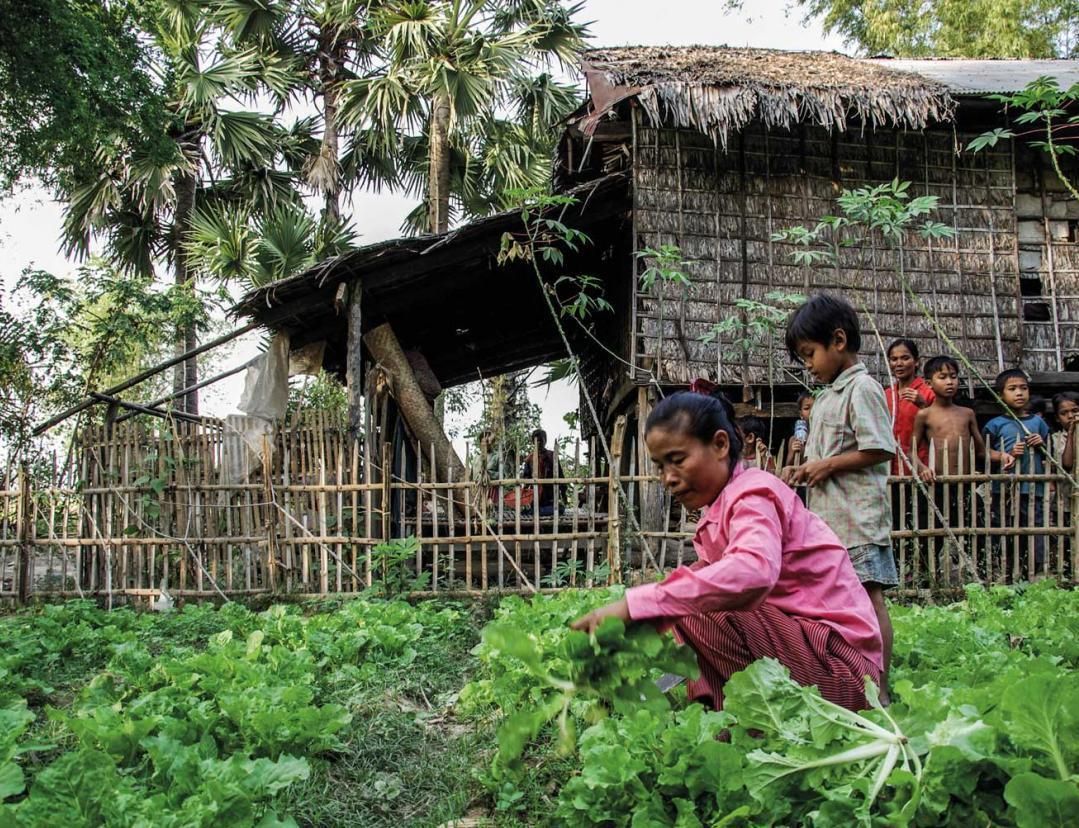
pixel 30 220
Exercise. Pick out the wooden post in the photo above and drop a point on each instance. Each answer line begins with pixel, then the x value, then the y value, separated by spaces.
pixel 271 513
pixel 354 360
pixel 417 411
pixel 614 523
pixel 651 491
pixel 24 514
pixel 387 473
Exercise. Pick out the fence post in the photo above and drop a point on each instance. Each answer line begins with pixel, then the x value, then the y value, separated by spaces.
pixel 614 502
pixel 271 512
pixel 23 516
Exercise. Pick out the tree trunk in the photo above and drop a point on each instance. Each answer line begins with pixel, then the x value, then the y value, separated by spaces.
pixel 329 168
pixel 185 374
pixel 385 349
pixel 438 184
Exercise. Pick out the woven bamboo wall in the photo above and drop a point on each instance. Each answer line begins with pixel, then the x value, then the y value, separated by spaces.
pixel 721 209
pixel 1048 230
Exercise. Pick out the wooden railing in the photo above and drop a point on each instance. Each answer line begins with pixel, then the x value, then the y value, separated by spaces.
pixel 141 510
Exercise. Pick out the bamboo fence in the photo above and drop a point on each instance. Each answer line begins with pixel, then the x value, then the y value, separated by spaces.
pixel 150 509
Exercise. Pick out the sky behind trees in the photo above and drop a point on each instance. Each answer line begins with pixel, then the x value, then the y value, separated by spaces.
pixel 30 220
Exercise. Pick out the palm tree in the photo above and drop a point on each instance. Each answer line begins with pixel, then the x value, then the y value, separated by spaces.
pixel 462 95
pixel 254 249
pixel 317 45
pixel 141 200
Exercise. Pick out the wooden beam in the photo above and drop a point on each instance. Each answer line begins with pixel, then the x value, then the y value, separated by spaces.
pixel 162 400
pixel 112 391
pixel 155 412
pixel 386 350
pixel 354 359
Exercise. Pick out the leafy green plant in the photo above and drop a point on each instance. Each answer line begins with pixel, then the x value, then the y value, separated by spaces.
pixel 612 669
pixel 1043 105
pixel 663 265
pixel 981 728
pixel 755 325
pixel 395 560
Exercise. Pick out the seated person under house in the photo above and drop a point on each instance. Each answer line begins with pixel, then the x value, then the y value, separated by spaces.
pixel 543 460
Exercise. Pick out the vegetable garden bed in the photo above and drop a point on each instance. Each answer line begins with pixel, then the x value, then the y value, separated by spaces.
pixel 380 712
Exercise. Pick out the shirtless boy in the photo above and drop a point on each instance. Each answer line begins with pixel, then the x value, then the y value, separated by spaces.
pixel 951 427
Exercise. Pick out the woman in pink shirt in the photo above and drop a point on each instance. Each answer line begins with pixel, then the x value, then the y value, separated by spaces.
pixel 771 578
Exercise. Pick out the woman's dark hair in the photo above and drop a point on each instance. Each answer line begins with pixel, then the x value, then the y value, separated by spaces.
pixel 1038 404
pixel 909 344
pixel 701 415
pixel 1063 397
pixel 818 320
pixel 754 426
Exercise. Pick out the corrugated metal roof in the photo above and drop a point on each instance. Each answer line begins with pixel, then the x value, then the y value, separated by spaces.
pixel 980 77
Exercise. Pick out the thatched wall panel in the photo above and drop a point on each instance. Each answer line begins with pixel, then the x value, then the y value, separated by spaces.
pixel 705 202
pixel 701 224
pixel 767 181
pixel 661 221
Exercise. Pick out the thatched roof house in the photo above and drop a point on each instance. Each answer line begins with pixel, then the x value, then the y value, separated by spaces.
pixel 721 149
pixel 727 147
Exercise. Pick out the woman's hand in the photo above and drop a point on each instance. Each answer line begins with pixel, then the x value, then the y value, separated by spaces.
pixel 616 609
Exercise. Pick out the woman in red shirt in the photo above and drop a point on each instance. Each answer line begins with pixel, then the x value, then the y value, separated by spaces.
pixel 906 396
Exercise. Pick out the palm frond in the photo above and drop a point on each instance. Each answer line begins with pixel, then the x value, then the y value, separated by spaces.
pixel 220 244
pixel 409 29
pixel 296 143
pixel 541 102
pixel 242 137
pixel 260 188
pixel 332 238
pixel 285 242
pixel 86 209
pixel 387 102
pixel 249 21
pixel 135 239
pixel 282 73
pixel 150 175
pixel 366 163
pixel 416 223
pixel 230 75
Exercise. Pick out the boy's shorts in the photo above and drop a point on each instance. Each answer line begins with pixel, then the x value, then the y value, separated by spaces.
pixel 874 564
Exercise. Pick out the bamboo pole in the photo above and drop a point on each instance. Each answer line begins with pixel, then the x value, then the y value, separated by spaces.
pixel 614 524
pixel 22 522
pixel 113 390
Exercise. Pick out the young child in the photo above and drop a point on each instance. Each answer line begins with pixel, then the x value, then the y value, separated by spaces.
pixel 771 578
pixel 797 444
pixel 952 428
pixel 849 448
pixel 1023 435
pixel 755 437
pixel 905 397
pixel 1062 447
